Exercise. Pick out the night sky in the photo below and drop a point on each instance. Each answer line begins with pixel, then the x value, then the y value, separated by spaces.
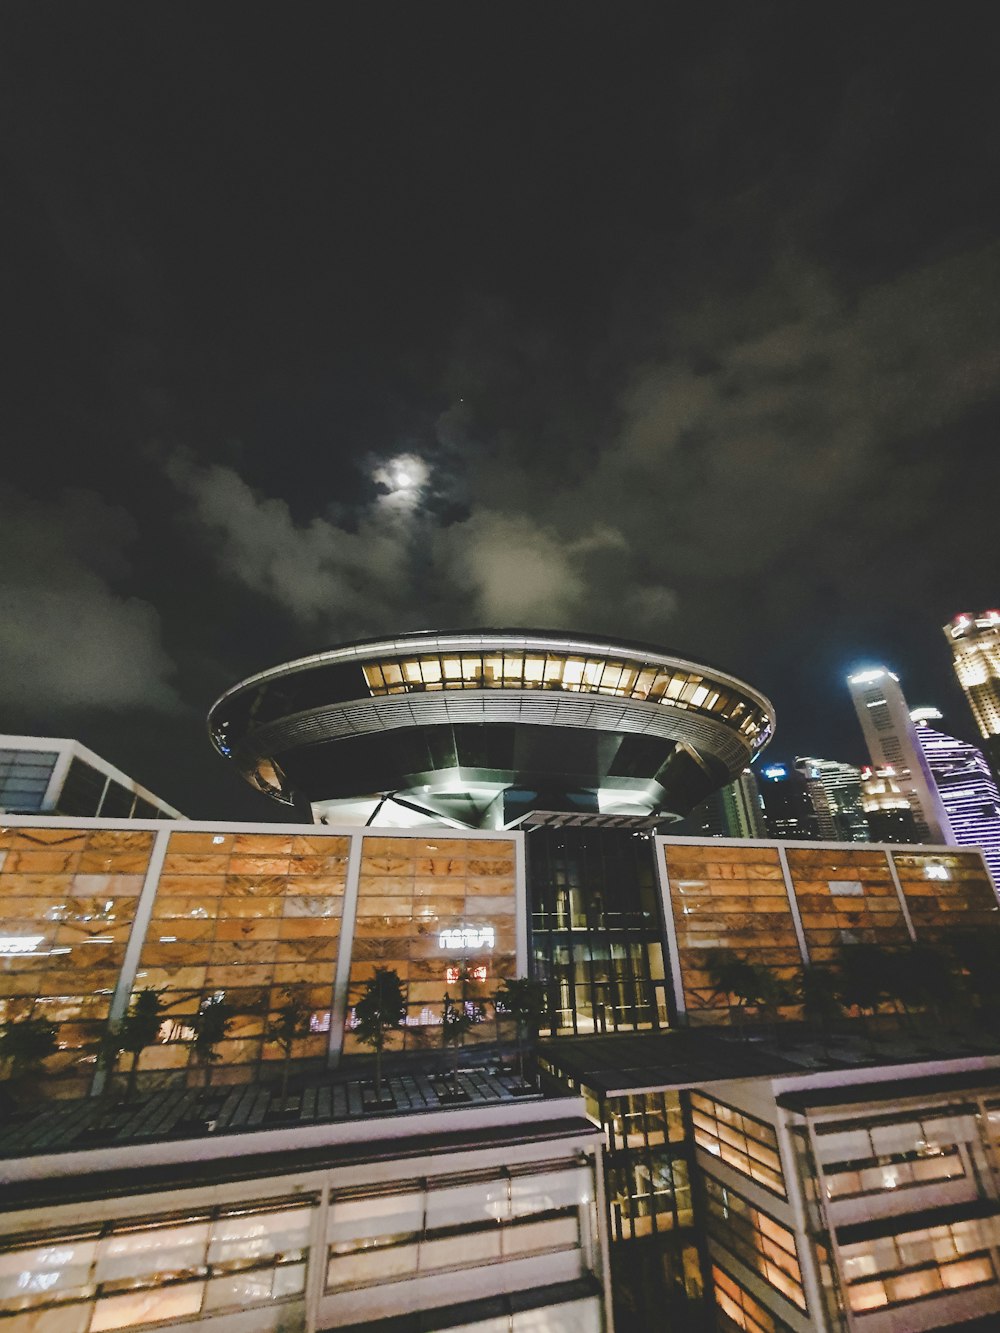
pixel 679 323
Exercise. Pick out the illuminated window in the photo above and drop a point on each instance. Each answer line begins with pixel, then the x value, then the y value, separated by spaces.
pixel 516 669
pixel 158 1270
pixel 894 1270
pixel 452 1222
pixel 886 1155
pixel 760 1241
pixel 740 1309
pixel 748 1145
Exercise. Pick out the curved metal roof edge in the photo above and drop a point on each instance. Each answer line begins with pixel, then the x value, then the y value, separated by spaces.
pixel 358 650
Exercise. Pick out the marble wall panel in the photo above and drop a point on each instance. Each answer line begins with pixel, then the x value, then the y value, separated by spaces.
pixel 415 896
pixel 253 915
pixel 69 894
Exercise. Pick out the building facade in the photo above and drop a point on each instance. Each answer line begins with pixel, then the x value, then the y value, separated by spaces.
pixel 975 649
pixel 661 1195
pixel 46 775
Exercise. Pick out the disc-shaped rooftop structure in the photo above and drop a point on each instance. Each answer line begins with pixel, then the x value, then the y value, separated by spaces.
pixel 489 728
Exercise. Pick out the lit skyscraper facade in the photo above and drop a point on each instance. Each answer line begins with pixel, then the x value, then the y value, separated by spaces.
pixel 837 791
pixel 892 743
pixel 966 785
pixel 975 648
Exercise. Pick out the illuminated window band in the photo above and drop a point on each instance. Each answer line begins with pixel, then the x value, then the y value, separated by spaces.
pixel 469 937
pixel 581 675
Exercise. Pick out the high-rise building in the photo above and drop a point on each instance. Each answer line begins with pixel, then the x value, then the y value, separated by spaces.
pixel 967 787
pixel 975 648
pixel 735 811
pixel 791 808
pixel 57 776
pixel 892 743
pixel 841 797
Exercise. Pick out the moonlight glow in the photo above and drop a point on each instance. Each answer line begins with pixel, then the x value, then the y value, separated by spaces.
pixel 403 479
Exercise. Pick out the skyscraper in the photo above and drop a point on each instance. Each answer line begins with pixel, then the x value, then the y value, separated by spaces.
pixel 735 811
pixel 892 743
pixel 790 807
pixel 837 791
pixel 967 788
pixel 975 648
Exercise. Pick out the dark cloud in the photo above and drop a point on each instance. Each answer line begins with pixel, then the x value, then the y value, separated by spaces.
pixel 678 326
pixel 69 636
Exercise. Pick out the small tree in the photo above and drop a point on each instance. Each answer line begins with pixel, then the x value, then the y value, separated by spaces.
pixel 25 1043
pixel 732 976
pixel 524 1000
pixel 139 1028
pixel 284 1028
pixel 381 1008
pixel 499 1002
pixel 211 1026
pixel 862 975
pixel 456 1022
pixel 820 1006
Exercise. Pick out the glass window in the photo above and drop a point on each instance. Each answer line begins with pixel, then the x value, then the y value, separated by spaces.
pixel 158 1270
pixel 760 1241
pixel 894 1270
pixel 748 1145
pixel 456 1223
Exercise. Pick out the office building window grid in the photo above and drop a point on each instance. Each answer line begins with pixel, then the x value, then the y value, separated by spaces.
pixel 435 1225
pixel 739 1310
pixel 894 1270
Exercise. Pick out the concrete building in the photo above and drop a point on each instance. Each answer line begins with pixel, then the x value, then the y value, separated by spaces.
pixel 975 648
pixel 892 743
pixel 50 775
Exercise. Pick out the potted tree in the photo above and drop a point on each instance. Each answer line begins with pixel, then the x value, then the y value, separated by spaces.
pixel 24 1044
pixel 524 1000
pixel 456 1022
pixel 284 1027
pixel 381 1009
pixel 139 1028
pixel 211 1025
